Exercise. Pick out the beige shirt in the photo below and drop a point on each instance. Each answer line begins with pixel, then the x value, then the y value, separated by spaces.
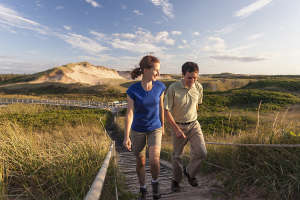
pixel 182 102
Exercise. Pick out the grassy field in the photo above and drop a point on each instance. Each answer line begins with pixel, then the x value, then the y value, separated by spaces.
pixel 236 109
pixel 51 152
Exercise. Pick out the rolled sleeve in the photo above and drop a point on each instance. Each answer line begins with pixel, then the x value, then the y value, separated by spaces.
pixel 200 90
pixel 168 102
pixel 163 88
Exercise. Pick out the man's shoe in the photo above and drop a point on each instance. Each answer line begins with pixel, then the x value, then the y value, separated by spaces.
pixel 142 194
pixel 175 186
pixel 155 190
pixel 192 181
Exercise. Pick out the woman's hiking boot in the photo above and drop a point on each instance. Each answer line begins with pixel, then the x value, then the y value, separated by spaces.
pixel 155 190
pixel 142 194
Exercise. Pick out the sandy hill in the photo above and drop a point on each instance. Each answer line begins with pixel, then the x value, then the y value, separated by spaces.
pixel 82 72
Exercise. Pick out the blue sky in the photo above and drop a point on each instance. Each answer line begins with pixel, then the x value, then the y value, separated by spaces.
pixel 237 36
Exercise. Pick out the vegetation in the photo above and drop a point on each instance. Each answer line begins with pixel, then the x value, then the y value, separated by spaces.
pixel 46 152
pixel 69 91
pixel 236 116
pixel 35 139
pixel 287 85
pixel 5 77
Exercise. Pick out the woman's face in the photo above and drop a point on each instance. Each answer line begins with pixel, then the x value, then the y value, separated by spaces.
pixel 152 73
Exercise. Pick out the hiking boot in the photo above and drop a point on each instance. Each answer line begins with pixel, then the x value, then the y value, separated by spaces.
pixel 155 190
pixel 142 194
pixel 192 181
pixel 175 186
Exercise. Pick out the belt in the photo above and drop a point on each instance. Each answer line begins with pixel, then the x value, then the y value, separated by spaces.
pixel 185 123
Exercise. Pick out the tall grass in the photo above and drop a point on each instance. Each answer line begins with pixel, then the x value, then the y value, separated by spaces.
pixel 44 160
pixel 271 172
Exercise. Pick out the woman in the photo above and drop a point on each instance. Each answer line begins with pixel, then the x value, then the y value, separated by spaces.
pixel 145 118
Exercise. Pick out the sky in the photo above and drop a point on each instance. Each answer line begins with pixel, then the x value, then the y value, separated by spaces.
pixel 235 36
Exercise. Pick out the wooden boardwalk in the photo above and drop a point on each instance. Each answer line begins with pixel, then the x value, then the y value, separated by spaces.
pixel 126 162
pixel 208 189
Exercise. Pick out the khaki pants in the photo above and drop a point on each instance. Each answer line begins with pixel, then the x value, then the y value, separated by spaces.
pixel 198 151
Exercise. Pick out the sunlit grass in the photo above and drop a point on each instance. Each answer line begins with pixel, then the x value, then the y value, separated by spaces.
pixel 273 172
pixel 54 162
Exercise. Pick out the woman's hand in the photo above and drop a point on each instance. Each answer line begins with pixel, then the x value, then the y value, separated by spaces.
pixel 127 144
pixel 179 133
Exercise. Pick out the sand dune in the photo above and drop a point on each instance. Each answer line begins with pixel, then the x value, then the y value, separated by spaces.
pixel 83 72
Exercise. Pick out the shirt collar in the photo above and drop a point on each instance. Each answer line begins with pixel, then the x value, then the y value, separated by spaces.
pixel 182 85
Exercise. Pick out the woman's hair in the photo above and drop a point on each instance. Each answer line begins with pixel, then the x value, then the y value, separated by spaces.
pixel 189 67
pixel 147 62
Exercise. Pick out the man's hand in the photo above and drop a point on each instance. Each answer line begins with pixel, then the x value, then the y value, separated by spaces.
pixel 127 144
pixel 163 130
pixel 179 133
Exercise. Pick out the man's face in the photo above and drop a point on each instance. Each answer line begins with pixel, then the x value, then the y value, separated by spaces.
pixel 190 78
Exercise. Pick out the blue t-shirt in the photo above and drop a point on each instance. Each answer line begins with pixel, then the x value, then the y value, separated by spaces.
pixel 146 115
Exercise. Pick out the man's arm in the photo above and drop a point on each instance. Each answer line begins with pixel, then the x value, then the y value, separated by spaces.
pixel 176 128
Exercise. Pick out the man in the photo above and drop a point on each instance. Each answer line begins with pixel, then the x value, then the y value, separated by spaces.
pixel 181 104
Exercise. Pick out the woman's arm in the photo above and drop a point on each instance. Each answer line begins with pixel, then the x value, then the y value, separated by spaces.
pixel 128 123
pixel 162 113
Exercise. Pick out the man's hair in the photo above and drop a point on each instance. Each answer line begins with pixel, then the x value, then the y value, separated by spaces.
pixel 189 67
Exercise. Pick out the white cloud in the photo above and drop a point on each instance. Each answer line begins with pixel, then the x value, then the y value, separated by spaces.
pixel 164 37
pixel 99 36
pixel 135 47
pixel 238 58
pixel 184 45
pixel 16 64
pixel 97 58
pixel 12 19
pixel 255 36
pixel 166 7
pixel 218 50
pixel 141 41
pixel 7 28
pixel 145 36
pixel 38 3
pixel 123 7
pixel 196 33
pixel 176 33
pixel 248 10
pixel 67 27
pixel 59 7
pixel 84 43
pixel 215 44
pixel 227 29
pixel 93 3
pixel 137 12
pixel 125 35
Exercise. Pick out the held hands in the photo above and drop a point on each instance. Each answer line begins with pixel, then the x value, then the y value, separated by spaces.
pixel 179 133
pixel 163 130
pixel 127 143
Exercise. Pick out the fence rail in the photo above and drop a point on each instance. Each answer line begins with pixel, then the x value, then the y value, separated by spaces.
pixel 96 188
pixel 65 102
